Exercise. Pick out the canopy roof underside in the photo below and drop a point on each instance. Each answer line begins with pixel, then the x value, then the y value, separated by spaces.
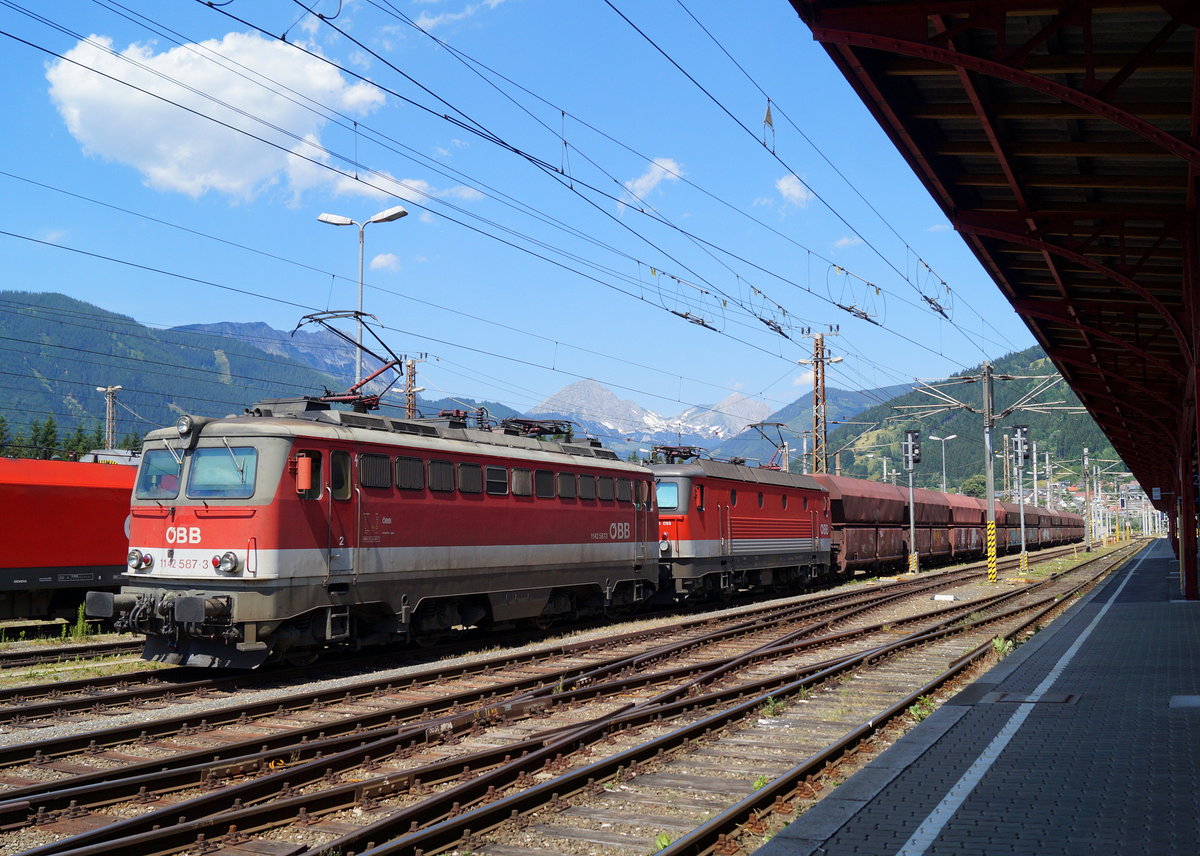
pixel 1059 139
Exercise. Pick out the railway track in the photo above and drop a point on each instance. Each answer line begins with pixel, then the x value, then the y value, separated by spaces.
pixel 382 753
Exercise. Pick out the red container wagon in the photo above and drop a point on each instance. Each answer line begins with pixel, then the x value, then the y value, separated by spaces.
pixel 73 516
pixel 296 528
pixel 725 526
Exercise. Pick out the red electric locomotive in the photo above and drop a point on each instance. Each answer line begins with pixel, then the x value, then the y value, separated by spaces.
pixel 725 526
pixel 297 527
pixel 73 517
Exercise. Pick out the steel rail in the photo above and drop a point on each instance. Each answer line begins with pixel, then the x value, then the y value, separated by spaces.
pixel 306 807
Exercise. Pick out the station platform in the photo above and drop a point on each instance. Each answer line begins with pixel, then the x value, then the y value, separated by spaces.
pixel 1085 740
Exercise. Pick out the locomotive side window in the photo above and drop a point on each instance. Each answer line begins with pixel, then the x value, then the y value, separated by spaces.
pixel 587 487
pixel 784 499
pixel 470 478
pixel 441 476
pixel 497 481
pixel 543 484
pixel 668 496
pixel 806 503
pixel 566 485
pixel 410 473
pixel 604 488
pixel 158 476
pixel 226 472
pixel 374 471
pixel 522 482
pixel 624 490
pixel 314 492
pixel 760 499
pixel 339 474
pixel 733 497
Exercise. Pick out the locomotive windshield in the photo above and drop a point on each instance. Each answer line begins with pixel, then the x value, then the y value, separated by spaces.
pixel 668 495
pixel 158 475
pixel 226 472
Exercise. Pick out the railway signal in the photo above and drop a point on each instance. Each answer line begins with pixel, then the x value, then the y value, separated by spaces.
pixel 1020 448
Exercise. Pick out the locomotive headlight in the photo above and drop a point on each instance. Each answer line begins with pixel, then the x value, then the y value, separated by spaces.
pixel 664 546
pixel 137 560
pixel 226 563
pixel 184 425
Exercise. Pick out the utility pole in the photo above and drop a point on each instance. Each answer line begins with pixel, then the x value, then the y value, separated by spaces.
pixel 110 415
pixel 989 423
pixel 1087 505
pixel 1035 462
pixel 410 386
pixel 818 361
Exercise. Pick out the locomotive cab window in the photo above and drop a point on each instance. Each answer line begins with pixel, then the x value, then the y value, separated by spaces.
pixel 668 495
pixel 158 476
pixel 226 472
pixel 624 490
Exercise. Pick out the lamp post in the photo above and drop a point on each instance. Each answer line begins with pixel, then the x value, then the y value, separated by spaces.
pixel 943 439
pixel 338 220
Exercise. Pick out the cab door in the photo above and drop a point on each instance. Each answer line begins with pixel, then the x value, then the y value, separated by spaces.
pixel 343 514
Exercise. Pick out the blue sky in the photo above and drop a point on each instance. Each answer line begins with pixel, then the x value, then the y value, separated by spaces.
pixel 589 190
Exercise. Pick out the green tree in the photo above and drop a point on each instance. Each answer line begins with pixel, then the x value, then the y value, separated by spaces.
pixel 43 436
pixel 975 485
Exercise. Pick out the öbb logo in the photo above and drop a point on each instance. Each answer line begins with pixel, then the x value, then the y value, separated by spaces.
pixel 183 534
pixel 618 531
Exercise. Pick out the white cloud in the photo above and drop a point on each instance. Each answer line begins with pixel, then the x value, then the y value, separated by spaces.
pixel 428 22
pixel 939 227
pixel 178 150
pixel 659 170
pixel 804 379
pixel 848 241
pixel 385 261
pixel 793 191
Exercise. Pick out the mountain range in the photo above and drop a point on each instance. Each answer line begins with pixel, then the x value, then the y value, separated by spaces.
pixel 59 350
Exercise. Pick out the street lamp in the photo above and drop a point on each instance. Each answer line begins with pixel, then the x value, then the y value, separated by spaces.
pixel 943 439
pixel 338 220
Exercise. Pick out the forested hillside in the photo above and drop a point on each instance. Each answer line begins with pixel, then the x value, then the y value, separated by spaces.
pixel 1063 433
pixel 56 351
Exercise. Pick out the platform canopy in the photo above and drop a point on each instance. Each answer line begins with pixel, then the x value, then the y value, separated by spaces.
pixel 1060 139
